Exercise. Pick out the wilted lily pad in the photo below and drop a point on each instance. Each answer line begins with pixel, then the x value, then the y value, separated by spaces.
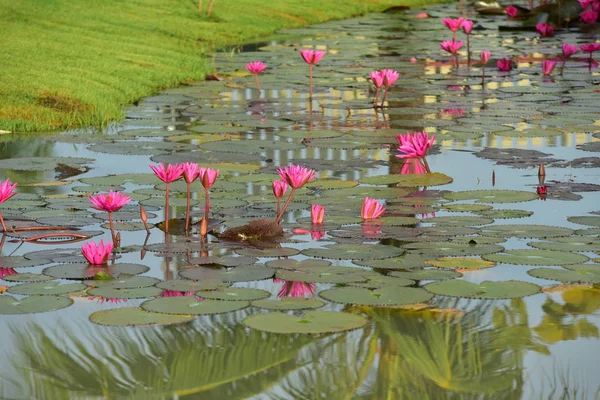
pixel 485 290
pixel 288 303
pixel 130 316
pixel 536 257
pixel 33 304
pixel 191 305
pixel 310 322
pixel 386 296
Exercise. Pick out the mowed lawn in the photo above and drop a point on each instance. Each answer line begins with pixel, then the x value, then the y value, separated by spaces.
pixel 74 63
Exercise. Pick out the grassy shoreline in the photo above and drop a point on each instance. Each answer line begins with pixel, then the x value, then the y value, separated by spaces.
pixel 75 63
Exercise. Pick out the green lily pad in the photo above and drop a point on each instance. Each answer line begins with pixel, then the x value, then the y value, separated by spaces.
pixel 585 220
pixel 87 271
pixel 431 179
pixel 191 305
pixel 461 263
pixel 311 134
pixel 237 274
pixel 33 304
pixel 354 252
pixel 492 196
pixel 27 277
pixel 407 261
pixel 498 214
pixel 587 273
pixel 274 252
pixel 485 290
pixel 227 261
pixel 467 207
pixel 326 274
pixel 452 249
pixel 290 264
pixel 289 303
pixel 331 184
pixel 458 220
pixel 46 288
pixel 133 293
pixel 311 322
pixel 569 243
pixel 235 294
pixel 525 231
pixel 429 274
pixel 133 282
pixel 386 296
pixel 536 257
pixel 184 285
pixel 130 316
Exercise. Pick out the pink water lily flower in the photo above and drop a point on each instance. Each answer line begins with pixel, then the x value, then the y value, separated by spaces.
pixel 467 26
pixel 451 46
pixel 168 174
pixel 256 67
pixel 590 47
pixel 7 272
pixel 295 175
pixel 371 209
pixel 545 30
pixel 279 188
pixel 97 254
pixel 317 213
pixel 111 202
pixel 312 56
pixel 208 176
pixel 297 289
pixel 484 57
pixel 586 3
pixel 7 190
pixel 414 145
pixel 376 78
pixel 548 66
pixel 389 76
pixel 453 24
pixel 504 65
pixel 511 11
pixel 190 171
pixel 589 16
pixel 568 50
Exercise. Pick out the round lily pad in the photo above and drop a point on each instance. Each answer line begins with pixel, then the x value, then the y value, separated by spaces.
pixel 274 252
pixel 227 261
pixel 33 304
pixel 133 282
pixel 27 277
pixel 407 261
pixel 326 274
pixel 386 296
pixel 485 290
pixel 569 243
pixel 311 322
pixel 235 294
pixel 22 262
pixel 452 248
pixel 525 231
pixel 132 293
pixel 461 264
pixel 587 273
pixel 498 214
pixel 354 252
pixel 87 271
pixel 291 264
pixel 130 316
pixel 288 303
pixel 429 274
pixel 46 288
pixel 588 220
pixel 467 207
pixel 431 179
pixel 184 285
pixel 492 196
pixel 237 274
pixel 536 257
pixel 191 305
pixel 458 220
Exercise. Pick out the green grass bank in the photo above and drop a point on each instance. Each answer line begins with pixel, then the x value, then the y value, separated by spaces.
pixel 75 63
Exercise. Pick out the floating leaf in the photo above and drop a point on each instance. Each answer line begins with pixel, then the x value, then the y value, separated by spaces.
pixel 130 316
pixel 525 231
pixel 235 294
pixel 386 296
pixel 184 285
pixel 536 257
pixel 33 304
pixel 27 277
pixel 429 274
pixel 310 322
pixel 505 213
pixel 191 305
pixel 133 293
pixel 87 271
pixel 569 243
pixel 452 249
pixel 288 303
pixel 237 274
pixel 407 261
pixel 354 252
pixel 432 179
pixel 458 220
pixel 461 263
pixel 46 288
pixel 274 252
pixel 585 220
pixel 588 273
pixel 492 196
pixel 133 282
pixel 485 290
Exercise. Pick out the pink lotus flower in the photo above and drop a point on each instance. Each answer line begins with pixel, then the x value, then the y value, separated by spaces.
pixel 586 3
pixel 453 24
pixel 208 176
pixel 7 190
pixel 451 46
pixel 467 26
pixel 548 66
pixel 412 166
pixel 376 78
pixel 413 60
pixel 454 112
pixel 590 47
pixel 111 202
pixel 279 188
pixel 7 272
pixel 484 57
pixel 168 174
pixel 190 172
pixel 256 67
pixel 568 50
pixel 317 213
pixel 312 57
pixel 545 30
pixel 414 145
pixel 589 16
pixel 371 208
pixel 511 11
pixel 389 77
pixel 504 65
pixel 297 289
pixel 97 254
pixel 295 175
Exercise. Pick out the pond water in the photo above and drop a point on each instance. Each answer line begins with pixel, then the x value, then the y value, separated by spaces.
pixel 447 295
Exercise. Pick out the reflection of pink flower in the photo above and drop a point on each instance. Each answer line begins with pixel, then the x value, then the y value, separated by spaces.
pixel 454 112
pixel 511 11
pixel 174 293
pixel 256 67
pixel 317 213
pixel 548 66
pixel 371 229
pixel 414 145
pixel 6 272
pixel 589 16
pixel 504 65
pixel 111 202
pixel 590 47
pixel 542 189
pixel 371 208
pixel 297 289
pixel 429 215
pixel 467 26
pixel 545 30
pixel 412 166
pixel 103 300
pixel 97 254
pixel 311 56
pixel 453 24
pixel 317 235
pixel 295 175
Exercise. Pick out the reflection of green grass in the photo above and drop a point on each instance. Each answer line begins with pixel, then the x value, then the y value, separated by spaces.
pixel 70 63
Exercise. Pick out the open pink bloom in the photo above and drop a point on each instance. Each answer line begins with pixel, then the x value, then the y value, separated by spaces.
pixel 454 112
pixel 371 208
pixel 111 202
pixel 545 30
pixel 279 188
pixel 256 67
pixel 504 65
pixel 548 66
pixel 453 24
pixel 586 3
pixel 389 76
pixel 467 26
pixel 589 16
pixel 414 145
pixel 451 46
pixel 568 50
pixel 512 11
pixel 7 190
pixel 312 56
pixel 317 213
pixel 168 174
pixel 97 254
pixel 208 176
pixel 412 166
pixel 590 47
pixel 295 175
pixel 6 272
pixel 297 289
pixel 190 171
pixel 484 57
pixel 376 78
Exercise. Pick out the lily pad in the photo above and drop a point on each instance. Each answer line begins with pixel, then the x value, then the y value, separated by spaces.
pixel 235 294
pixel 184 285
pixel 237 274
pixel 354 252
pixel 130 316
pixel 484 290
pixel 87 271
pixel 525 231
pixel 383 297
pixel 585 220
pixel 46 288
pixel 536 257
pixel 289 303
pixel 492 196
pixel 311 322
pixel 461 264
pixel 27 277
pixel 191 305
pixel 429 274
pixel 569 243
pixel 133 282
pixel 132 293
pixel 498 214
pixel 452 248
pixel 587 273
pixel 33 304
pixel 407 261
pixel 431 179
pixel 274 252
